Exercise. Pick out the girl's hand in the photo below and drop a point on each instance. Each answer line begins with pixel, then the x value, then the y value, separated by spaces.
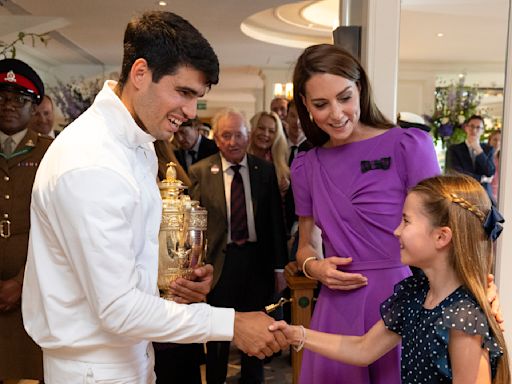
pixel 326 271
pixel 292 333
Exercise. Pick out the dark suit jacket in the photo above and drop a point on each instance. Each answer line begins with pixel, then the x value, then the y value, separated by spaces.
pixel 459 159
pixel 208 189
pixel 207 148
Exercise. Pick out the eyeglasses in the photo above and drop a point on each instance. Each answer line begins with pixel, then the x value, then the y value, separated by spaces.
pixel 17 101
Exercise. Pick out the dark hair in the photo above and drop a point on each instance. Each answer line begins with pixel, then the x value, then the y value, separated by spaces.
pixel 194 123
pixel 167 41
pixel 331 59
pixel 475 117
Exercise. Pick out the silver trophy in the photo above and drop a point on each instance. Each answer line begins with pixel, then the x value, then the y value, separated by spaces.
pixel 182 237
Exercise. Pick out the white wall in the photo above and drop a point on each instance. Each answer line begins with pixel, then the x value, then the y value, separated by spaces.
pixel 504 257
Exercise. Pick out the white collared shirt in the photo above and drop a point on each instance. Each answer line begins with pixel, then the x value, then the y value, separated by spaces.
pixel 228 178
pixel 90 287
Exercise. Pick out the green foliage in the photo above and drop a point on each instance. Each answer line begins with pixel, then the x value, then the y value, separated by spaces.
pixel 453 105
pixel 8 50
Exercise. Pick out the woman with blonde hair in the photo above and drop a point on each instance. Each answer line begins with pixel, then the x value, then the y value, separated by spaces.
pixel 268 141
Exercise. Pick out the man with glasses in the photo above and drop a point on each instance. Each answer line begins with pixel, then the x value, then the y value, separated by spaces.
pixel 473 157
pixel 21 90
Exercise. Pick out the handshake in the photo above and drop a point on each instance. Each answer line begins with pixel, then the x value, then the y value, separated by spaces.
pixel 257 334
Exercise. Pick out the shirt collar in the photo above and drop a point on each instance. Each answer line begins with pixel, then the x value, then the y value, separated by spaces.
pixel 17 137
pixel 303 139
pixel 196 145
pixel 226 164
pixel 125 127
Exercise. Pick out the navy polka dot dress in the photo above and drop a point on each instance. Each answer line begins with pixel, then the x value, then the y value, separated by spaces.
pixel 425 332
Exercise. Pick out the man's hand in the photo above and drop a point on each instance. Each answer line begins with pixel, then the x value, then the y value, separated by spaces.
pixel 196 289
pixel 253 337
pixel 10 294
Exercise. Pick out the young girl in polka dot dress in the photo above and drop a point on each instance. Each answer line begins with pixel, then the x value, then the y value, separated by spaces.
pixel 440 314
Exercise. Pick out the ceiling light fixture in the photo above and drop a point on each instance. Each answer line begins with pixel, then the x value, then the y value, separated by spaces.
pixel 162 3
pixel 440 34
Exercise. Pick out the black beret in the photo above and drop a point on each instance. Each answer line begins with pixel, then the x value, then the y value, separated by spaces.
pixel 17 76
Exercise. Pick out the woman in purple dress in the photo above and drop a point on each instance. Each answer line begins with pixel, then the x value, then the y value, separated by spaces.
pixel 349 191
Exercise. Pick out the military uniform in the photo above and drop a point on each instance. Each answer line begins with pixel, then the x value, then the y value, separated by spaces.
pixel 17 173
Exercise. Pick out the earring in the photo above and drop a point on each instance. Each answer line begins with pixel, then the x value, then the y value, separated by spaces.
pixel 311 117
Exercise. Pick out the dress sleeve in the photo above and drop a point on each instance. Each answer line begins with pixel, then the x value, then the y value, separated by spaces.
pixel 463 315
pixel 394 310
pixel 300 186
pixel 417 157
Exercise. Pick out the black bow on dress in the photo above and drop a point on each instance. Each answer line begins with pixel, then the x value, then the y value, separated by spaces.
pixel 369 165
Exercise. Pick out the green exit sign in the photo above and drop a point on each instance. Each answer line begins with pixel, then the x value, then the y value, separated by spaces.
pixel 201 104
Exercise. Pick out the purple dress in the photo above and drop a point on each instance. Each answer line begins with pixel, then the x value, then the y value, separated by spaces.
pixel 355 193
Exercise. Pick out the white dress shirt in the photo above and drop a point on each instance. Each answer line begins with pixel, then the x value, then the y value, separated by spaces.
pixel 228 178
pixel 90 289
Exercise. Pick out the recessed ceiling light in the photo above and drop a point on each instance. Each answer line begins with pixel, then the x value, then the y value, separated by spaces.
pixel 440 34
pixel 162 3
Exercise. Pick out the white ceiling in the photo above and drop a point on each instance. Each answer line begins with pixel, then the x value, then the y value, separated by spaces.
pixel 89 32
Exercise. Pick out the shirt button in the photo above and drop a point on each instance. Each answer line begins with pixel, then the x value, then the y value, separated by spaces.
pixel 6 178
pixel 7 197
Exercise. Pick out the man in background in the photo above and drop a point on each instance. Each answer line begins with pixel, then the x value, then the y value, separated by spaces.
pixel 44 117
pixel 473 157
pixel 279 105
pixel 22 149
pixel 246 241
pixel 192 145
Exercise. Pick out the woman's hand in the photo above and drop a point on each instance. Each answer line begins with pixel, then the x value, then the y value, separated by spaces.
pixel 284 184
pixel 326 271
pixel 494 300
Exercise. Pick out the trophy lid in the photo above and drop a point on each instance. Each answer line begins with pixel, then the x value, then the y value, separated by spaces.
pixel 171 187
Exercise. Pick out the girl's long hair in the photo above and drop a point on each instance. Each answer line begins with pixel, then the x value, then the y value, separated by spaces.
pixel 460 203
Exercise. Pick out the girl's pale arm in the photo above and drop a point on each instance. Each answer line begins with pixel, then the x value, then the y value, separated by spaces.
pixel 469 361
pixel 354 350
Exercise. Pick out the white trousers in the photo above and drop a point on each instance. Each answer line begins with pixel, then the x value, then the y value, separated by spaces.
pixel 59 370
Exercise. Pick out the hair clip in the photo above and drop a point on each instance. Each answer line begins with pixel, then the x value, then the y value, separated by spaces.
pixel 492 224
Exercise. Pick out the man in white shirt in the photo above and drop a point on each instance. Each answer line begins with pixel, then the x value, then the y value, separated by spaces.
pixel 90 296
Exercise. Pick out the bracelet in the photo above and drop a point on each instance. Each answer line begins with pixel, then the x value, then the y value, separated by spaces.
pixel 304 267
pixel 297 348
